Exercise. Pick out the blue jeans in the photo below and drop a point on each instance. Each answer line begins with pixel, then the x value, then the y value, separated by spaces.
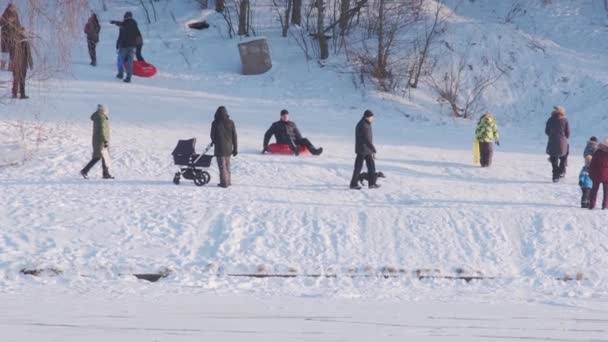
pixel 125 56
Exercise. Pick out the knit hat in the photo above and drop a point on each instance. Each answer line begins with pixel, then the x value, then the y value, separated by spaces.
pixel 128 15
pixel 593 139
pixel 284 112
pixel 560 110
pixel 368 114
pixel 103 109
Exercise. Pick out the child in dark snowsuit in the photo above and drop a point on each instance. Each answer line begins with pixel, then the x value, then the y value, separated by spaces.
pixel 591 147
pixel 585 182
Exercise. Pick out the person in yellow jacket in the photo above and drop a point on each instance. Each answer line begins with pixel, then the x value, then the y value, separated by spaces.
pixel 486 134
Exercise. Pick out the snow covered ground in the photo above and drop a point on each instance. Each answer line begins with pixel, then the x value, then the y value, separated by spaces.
pixel 284 215
pixel 237 318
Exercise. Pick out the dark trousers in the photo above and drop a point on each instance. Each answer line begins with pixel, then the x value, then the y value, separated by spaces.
pixel 593 195
pixel 138 53
pixel 302 142
pixel 92 51
pixel 223 164
pixel 558 164
pixel 585 197
pixel 19 82
pixel 371 169
pixel 92 163
pixel 486 152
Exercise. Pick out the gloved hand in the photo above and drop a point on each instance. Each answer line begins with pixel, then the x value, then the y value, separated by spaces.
pixel 580 184
pixel 234 153
pixel 105 144
pixel 497 143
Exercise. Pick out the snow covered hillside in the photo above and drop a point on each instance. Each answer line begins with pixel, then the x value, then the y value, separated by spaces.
pixel 436 214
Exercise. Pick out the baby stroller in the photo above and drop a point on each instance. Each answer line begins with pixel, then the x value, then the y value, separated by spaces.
pixel 184 155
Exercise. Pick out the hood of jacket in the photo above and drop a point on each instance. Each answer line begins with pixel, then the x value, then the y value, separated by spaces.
pixel 221 114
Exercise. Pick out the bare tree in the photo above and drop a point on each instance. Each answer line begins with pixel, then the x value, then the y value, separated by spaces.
pixel 373 50
pixel 284 17
pixel 220 5
pixel 462 88
pixel 323 45
pixel 423 44
pixel 244 16
pixel 296 15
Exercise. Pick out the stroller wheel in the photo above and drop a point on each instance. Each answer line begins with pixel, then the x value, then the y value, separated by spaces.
pixel 176 178
pixel 206 177
pixel 199 181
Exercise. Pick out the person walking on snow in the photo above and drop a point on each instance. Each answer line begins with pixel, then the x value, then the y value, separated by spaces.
pixel 101 142
pixel 365 150
pixel 486 134
pixel 224 139
pixel 21 59
pixel 92 29
pixel 126 44
pixel 557 130
pixel 9 28
pixel 286 132
pixel 598 170
pixel 585 182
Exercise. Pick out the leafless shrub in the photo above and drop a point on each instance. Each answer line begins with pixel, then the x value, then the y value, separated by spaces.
pixel 31 135
pixel 283 8
pixel 517 10
pixel 373 48
pixel 422 44
pixel 461 87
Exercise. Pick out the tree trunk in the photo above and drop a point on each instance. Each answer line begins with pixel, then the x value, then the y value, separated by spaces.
pixel 244 18
pixel 220 5
pixel 380 63
pixel 323 44
pixel 287 17
pixel 344 17
pixel 296 14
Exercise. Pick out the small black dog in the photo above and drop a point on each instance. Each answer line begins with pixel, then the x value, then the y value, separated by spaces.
pixel 365 177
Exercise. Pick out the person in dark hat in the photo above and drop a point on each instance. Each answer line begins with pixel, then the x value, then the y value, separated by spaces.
pixel 286 132
pixel 126 44
pixel 365 150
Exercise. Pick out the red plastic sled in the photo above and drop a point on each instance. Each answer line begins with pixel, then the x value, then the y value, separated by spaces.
pixel 284 149
pixel 143 69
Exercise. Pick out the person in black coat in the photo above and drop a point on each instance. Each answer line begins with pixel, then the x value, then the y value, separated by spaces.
pixel 366 151
pixel 128 39
pixel 286 132
pixel 224 139
pixel 139 44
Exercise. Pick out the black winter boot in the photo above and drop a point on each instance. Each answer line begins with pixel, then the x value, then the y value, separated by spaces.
pixel 317 151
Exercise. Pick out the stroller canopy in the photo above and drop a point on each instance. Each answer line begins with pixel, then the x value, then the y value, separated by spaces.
pixel 184 147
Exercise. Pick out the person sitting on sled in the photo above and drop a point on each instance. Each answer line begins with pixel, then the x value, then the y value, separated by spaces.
pixel 286 132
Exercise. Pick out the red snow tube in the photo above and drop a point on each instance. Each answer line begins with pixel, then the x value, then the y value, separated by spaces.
pixel 143 69
pixel 284 149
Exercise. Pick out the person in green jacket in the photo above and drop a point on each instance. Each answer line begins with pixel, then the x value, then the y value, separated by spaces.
pixel 486 134
pixel 101 141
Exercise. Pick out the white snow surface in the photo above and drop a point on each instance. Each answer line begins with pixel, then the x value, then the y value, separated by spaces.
pixel 288 215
